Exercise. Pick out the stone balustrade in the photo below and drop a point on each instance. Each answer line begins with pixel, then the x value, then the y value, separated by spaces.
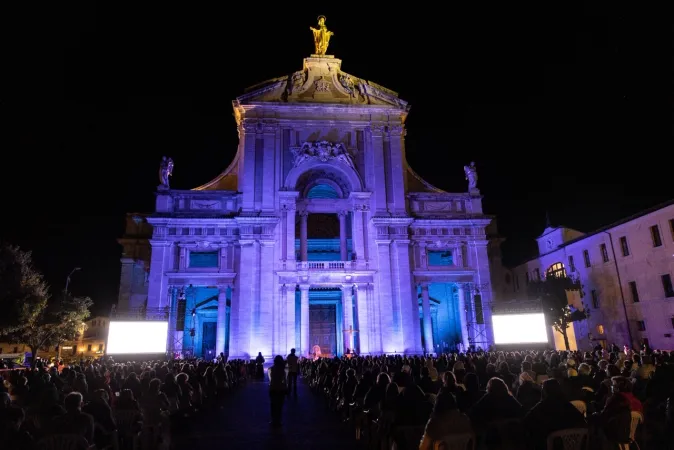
pixel 201 202
pixel 444 204
pixel 324 265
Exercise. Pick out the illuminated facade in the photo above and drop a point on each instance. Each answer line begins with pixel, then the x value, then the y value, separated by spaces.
pixel 626 270
pixel 317 236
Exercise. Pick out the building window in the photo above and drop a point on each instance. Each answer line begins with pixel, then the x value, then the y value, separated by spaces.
pixel 655 236
pixel 671 227
pixel 16 350
pixel 439 258
pixel 595 299
pixel 517 283
pixel 100 347
pixel 572 265
pixel 672 327
pixel 634 291
pixel 526 278
pixel 604 252
pixel 667 285
pixel 89 347
pixel 600 329
pixel 641 325
pixel 586 258
pixel 556 270
pixel 537 275
pixel 623 246
pixel 204 259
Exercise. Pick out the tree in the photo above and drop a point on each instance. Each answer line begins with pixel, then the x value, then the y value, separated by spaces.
pixel 59 321
pixel 552 292
pixel 23 291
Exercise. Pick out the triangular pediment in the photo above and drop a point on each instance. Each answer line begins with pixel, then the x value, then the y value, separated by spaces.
pixel 322 80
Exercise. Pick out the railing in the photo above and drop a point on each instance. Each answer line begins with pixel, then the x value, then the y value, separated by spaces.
pixel 324 265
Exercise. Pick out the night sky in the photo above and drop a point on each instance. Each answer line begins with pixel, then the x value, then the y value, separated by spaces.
pixel 560 110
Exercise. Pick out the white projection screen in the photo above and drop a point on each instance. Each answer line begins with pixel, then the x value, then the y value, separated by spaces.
pixel 519 329
pixel 127 338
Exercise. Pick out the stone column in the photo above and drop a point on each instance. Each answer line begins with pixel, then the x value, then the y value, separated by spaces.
pixel 305 342
pixel 347 314
pixel 428 324
pixel 342 235
pixel 221 327
pixel 304 235
pixel 463 316
pixel 364 330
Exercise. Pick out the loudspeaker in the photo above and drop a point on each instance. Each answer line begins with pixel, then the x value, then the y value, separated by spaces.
pixel 180 317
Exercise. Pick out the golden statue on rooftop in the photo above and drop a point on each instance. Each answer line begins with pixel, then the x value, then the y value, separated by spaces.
pixel 321 36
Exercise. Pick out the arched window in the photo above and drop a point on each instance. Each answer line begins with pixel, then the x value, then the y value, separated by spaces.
pixel 322 191
pixel 556 270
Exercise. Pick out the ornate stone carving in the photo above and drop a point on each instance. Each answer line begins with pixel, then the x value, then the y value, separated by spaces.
pixel 347 83
pixel 165 171
pixel 297 81
pixel 322 85
pixel 204 244
pixel 397 130
pixel 323 151
pixel 206 205
pixel 361 207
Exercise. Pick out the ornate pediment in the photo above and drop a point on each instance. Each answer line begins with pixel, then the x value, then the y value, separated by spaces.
pixel 322 81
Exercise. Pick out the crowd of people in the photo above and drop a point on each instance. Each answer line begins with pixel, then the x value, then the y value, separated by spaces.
pixel 107 404
pixel 502 399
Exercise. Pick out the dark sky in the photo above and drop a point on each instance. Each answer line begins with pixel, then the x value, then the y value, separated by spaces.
pixel 560 109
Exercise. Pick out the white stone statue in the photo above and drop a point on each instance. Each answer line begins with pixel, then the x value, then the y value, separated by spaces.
pixel 471 176
pixel 165 171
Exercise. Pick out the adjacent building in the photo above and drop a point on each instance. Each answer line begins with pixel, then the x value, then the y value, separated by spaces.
pixel 318 236
pixel 627 273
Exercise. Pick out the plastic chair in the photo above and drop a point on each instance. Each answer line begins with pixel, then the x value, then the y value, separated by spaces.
pixel 464 441
pixel 637 419
pixel 571 439
pixel 63 442
pixel 581 406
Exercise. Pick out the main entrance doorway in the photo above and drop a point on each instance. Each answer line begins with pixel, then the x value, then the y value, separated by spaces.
pixel 208 340
pixel 323 327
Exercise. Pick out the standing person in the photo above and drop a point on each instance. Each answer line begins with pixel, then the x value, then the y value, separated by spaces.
pixel 293 369
pixel 277 389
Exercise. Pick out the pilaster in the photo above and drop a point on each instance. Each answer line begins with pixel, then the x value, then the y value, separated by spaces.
pixel 304 320
pixel 389 312
pixel 347 311
pixel 269 132
pixel 267 297
pixel 221 326
pixel 396 175
pixel 363 314
pixel 246 178
pixel 160 264
pixel 374 136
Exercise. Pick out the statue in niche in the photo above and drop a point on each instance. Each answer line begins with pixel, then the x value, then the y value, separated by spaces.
pixel 321 36
pixel 165 171
pixel 471 176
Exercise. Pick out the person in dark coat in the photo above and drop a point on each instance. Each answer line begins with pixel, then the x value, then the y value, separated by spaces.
pixel 552 413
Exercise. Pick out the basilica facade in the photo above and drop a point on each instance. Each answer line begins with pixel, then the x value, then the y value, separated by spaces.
pixel 318 236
